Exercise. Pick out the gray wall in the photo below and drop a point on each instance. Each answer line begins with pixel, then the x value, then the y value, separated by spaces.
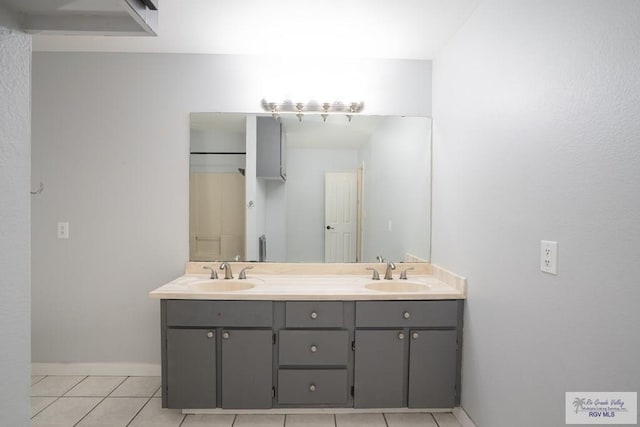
pixel 111 144
pixel 15 211
pixel 536 136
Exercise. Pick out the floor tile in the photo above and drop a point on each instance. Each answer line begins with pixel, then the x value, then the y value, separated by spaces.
pixel 209 420
pixel 259 421
pixel 153 415
pixel 310 420
pixel 36 378
pixel 360 420
pixel 39 403
pixel 410 420
pixel 446 419
pixel 114 412
pixel 65 411
pixel 95 387
pixel 137 387
pixel 158 393
pixel 55 385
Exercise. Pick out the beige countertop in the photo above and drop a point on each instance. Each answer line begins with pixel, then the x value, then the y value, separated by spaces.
pixel 281 282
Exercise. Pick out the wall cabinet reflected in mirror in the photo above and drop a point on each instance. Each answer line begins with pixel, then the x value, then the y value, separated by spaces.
pixel 336 191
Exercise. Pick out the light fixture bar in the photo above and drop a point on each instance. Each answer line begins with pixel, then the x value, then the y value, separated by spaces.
pixel 324 109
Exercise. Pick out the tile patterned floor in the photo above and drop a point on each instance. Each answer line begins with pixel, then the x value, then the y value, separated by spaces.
pixel 105 401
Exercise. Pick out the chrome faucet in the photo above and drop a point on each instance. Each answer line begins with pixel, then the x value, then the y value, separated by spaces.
pixel 388 275
pixel 214 273
pixel 228 274
pixel 380 258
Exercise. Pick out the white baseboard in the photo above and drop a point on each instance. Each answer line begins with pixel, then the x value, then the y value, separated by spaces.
pixel 463 417
pixel 120 369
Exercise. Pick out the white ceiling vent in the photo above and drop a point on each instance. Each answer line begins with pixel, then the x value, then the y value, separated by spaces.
pixel 88 17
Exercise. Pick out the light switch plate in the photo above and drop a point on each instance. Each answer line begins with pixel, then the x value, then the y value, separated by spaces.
pixel 549 257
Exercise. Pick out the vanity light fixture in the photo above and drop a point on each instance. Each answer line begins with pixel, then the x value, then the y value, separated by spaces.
pixel 324 109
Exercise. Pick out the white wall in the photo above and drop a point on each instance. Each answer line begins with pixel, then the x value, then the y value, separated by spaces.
pixel 536 136
pixel 15 211
pixel 397 178
pixel 306 168
pixel 111 144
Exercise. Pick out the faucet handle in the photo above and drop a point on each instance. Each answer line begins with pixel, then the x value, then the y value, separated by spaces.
pixel 243 273
pixel 403 274
pixel 376 276
pixel 380 258
pixel 214 273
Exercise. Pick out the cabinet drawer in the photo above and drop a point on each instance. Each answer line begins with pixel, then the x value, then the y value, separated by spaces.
pixel 383 314
pixel 309 387
pixel 314 348
pixel 219 313
pixel 314 314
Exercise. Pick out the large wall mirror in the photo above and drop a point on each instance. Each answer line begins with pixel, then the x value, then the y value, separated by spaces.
pixel 285 190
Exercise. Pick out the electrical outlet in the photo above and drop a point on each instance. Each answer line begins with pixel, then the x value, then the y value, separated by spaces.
pixel 549 257
pixel 63 230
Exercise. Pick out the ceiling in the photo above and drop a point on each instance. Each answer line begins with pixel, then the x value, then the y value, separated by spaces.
pixel 395 29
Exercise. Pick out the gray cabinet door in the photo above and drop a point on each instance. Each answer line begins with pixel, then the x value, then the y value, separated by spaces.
pixel 380 369
pixel 247 372
pixel 191 368
pixel 268 149
pixel 432 369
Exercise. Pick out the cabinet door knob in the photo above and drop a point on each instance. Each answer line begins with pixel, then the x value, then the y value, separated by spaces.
pixel 314 315
pixel 225 335
pixel 406 315
pixel 209 334
pixel 312 387
pixel 313 348
pixel 415 335
pixel 401 336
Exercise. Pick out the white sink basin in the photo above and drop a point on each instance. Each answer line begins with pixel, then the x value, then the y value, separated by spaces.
pixel 223 285
pixel 397 286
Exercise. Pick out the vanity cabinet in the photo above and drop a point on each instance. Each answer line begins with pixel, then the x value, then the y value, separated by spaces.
pixel 314 354
pixel 217 354
pixel 271 150
pixel 407 354
pixel 292 354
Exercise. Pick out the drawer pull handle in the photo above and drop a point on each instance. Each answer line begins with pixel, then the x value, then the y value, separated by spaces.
pixel 406 315
pixel 415 336
pixel 312 387
pixel 209 334
pixel 400 336
pixel 226 335
pixel 313 348
pixel 314 315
